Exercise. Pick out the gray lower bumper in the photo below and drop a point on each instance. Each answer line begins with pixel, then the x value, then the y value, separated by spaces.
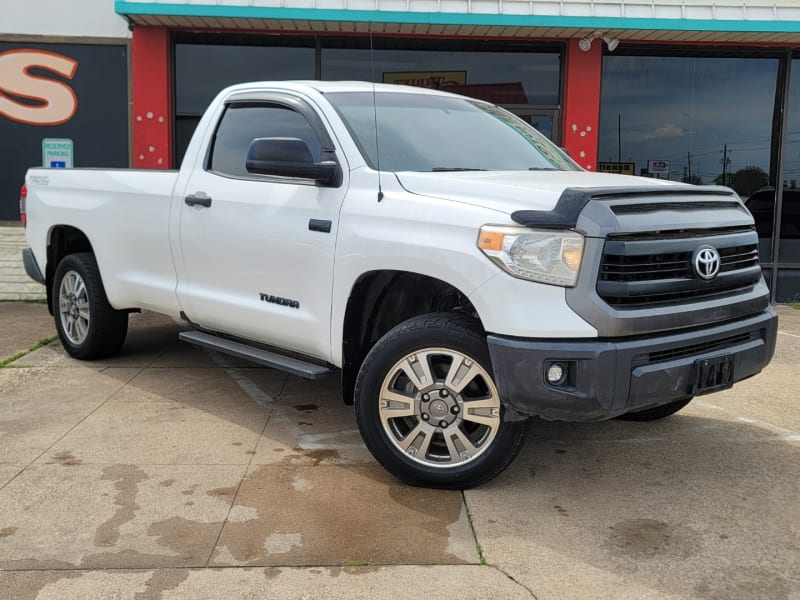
pixel 31 266
pixel 606 378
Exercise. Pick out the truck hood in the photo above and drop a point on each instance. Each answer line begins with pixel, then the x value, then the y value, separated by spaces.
pixel 507 191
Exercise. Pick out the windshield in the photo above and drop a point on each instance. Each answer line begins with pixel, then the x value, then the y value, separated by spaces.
pixel 425 132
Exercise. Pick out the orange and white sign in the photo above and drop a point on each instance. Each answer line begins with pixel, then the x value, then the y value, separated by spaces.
pixel 435 80
pixel 34 99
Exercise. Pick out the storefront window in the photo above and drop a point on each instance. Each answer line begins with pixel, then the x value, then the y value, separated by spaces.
pixel 498 77
pixel 524 79
pixel 690 118
pixel 202 70
pixel 789 243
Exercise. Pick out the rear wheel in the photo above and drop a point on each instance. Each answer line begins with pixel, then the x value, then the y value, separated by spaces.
pixel 659 412
pixel 87 325
pixel 428 408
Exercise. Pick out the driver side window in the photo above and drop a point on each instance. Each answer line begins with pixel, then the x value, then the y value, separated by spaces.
pixel 242 123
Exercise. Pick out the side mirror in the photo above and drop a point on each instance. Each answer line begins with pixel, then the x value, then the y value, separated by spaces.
pixel 290 157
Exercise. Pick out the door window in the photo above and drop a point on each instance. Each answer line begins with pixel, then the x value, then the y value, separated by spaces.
pixel 242 123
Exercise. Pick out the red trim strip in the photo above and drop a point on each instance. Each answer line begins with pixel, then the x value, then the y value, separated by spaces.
pixel 152 109
pixel 582 102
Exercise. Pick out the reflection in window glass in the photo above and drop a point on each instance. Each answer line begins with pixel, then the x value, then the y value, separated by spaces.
pixel 694 115
pixel 788 285
pixel 202 70
pixel 240 125
pixel 789 246
pixel 497 77
pixel 449 134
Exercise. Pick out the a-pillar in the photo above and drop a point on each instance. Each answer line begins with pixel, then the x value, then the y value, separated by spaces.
pixel 151 114
pixel 582 103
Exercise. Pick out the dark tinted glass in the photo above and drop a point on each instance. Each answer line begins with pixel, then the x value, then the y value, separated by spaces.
pixel 789 248
pixel 703 119
pixel 240 125
pixel 201 70
pixel 448 134
pixel 788 285
pixel 497 77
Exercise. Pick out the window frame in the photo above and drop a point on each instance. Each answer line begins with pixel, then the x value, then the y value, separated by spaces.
pixel 283 101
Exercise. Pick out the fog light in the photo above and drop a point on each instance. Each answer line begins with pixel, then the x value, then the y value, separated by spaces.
pixel 555 374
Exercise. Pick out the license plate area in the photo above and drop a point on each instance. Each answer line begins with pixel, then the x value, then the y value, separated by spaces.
pixel 713 374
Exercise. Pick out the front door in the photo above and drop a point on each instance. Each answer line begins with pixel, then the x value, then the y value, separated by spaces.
pixel 258 250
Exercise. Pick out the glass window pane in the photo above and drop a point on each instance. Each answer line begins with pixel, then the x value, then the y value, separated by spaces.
pixel 240 125
pixel 788 285
pixel 692 113
pixel 202 70
pixel 497 77
pixel 789 245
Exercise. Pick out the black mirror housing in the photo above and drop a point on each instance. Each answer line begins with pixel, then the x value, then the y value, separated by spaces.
pixel 290 157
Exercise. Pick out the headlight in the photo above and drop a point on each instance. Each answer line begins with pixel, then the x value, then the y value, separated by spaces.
pixel 547 256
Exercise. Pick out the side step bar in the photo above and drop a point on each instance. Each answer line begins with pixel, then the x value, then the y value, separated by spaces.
pixel 295 366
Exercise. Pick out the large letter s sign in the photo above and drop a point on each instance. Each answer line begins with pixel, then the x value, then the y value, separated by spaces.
pixel 53 102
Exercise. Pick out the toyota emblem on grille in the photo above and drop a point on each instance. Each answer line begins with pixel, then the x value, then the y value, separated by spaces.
pixel 706 262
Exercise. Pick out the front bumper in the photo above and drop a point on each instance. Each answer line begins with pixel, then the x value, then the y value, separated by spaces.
pixel 607 378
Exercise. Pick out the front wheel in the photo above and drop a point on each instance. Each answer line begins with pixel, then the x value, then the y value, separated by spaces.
pixel 428 408
pixel 87 325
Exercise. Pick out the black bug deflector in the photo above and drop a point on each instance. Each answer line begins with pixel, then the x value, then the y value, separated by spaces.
pixel 573 200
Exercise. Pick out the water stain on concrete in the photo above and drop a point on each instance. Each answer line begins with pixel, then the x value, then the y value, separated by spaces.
pixel 167 482
pixel 191 489
pixel 318 456
pixel 561 510
pixel 7 532
pixel 740 582
pixel 162 581
pixel 65 459
pixel 649 538
pixel 330 533
pixel 127 479
pixel 26 585
pixel 306 408
pixel 223 492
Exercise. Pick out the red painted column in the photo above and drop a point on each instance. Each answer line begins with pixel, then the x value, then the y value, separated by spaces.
pixel 582 103
pixel 152 109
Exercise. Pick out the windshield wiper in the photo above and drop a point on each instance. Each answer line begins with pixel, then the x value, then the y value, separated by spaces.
pixel 542 169
pixel 444 169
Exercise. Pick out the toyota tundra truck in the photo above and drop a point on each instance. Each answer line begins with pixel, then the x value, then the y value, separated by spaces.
pixel 457 271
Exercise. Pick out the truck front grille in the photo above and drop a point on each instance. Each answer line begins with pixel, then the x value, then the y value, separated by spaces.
pixel 650 270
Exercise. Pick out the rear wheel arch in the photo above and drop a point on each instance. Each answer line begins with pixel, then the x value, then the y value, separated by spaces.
pixel 379 301
pixel 63 240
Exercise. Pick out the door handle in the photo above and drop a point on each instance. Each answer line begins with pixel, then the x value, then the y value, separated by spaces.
pixel 199 198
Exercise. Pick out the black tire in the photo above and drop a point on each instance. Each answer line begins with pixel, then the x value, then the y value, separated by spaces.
pixel 495 444
pixel 654 414
pixel 107 327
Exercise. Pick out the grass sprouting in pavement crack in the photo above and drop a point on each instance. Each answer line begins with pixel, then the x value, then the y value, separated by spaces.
pixel 478 547
pixel 6 362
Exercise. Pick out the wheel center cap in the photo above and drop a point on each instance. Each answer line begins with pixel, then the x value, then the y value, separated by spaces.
pixel 438 408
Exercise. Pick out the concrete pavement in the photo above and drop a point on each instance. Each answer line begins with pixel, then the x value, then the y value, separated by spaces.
pixel 168 472
pixel 14 282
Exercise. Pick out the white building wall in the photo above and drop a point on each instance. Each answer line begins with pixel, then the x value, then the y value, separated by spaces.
pixel 84 18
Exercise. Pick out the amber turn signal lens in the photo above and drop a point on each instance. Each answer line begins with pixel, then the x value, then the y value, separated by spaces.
pixel 491 241
pixel 572 257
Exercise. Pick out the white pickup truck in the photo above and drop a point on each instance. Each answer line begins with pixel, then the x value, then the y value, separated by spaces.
pixel 457 270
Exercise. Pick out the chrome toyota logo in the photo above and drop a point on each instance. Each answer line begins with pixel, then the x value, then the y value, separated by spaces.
pixel 706 262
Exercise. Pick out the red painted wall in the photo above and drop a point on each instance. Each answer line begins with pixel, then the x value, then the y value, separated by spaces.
pixel 152 108
pixel 582 102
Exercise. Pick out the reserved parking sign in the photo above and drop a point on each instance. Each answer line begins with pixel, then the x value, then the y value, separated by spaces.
pixel 57 153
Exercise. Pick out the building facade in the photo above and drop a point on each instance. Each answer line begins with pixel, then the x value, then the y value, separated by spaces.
pixel 701 91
